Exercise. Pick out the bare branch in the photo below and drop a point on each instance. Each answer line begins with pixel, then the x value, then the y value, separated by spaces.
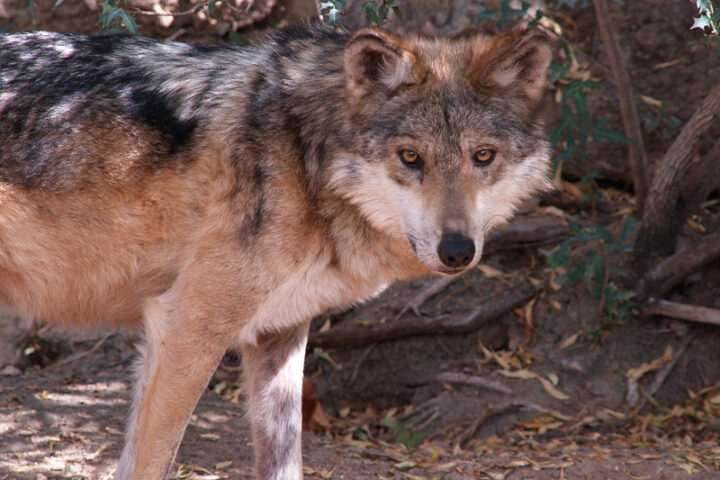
pixel 671 271
pixel 656 306
pixel 660 222
pixel 490 309
pixel 628 109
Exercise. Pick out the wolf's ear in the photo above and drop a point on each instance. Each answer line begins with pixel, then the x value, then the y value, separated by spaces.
pixel 376 59
pixel 512 63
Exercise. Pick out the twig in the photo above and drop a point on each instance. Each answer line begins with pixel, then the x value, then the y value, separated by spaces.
pixel 80 355
pixel 628 110
pixel 474 380
pixel 489 310
pixel 656 306
pixel 420 425
pixel 435 287
pixel 490 412
pixel 359 362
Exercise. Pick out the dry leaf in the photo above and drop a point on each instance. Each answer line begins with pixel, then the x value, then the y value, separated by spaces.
pixel 490 272
pixel 671 63
pixel 326 326
pixel 550 210
pixel 523 374
pixel 572 190
pixel 313 417
pixel 570 341
pixel 550 388
pixel 638 372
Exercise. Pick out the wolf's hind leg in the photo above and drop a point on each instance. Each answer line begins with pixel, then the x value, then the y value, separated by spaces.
pixel 178 360
pixel 273 370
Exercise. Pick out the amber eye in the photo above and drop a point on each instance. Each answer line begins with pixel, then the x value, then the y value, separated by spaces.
pixel 484 156
pixel 410 158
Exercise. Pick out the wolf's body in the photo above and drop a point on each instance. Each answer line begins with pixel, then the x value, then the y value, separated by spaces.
pixel 221 196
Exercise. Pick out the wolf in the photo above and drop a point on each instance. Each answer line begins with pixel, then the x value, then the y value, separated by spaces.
pixel 218 196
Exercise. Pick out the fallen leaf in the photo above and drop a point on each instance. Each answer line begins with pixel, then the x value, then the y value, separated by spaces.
pixel 326 326
pixel 550 388
pixel 570 341
pixel 490 272
pixel 313 417
pixel 638 372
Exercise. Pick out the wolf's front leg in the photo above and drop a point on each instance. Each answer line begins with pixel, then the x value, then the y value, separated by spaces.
pixel 273 371
pixel 178 359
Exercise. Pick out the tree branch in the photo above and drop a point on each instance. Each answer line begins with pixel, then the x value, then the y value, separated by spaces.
pixel 486 311
pixel 671 271
pixel 628 109
pixel 661 221
pixel 656 306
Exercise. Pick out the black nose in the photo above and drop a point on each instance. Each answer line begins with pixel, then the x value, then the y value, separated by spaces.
pixel 456 250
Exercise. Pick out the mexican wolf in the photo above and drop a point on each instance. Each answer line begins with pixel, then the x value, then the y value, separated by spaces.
pixel 221 196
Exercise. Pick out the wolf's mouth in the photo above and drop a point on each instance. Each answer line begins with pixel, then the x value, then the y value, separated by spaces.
pixel 451 272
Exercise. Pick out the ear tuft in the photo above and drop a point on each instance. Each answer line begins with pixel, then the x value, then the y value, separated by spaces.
pixel 375 58
pixel 512 63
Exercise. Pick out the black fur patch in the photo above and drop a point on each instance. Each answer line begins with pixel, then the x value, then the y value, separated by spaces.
pixel 93 78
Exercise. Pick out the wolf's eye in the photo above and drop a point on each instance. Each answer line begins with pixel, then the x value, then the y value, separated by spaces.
pixel 410 158
pixel 484 156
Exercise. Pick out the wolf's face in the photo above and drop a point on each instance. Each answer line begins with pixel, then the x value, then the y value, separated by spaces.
pixel 447 143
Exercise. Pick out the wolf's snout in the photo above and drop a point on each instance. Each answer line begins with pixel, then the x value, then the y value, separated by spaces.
pixel 456 250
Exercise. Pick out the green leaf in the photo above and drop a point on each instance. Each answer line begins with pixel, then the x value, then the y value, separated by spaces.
pixel 5 28
pixel 701 22
pixel 58 3
pixel 613 136
pixel 129 22
pixel 238 38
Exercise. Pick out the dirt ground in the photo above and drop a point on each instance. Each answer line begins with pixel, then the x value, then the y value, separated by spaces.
pixel 544 391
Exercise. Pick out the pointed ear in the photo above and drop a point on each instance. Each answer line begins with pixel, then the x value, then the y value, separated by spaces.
pixel 514 63
pixel 376 59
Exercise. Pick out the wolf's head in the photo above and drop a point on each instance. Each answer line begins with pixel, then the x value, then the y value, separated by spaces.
pixel 446 140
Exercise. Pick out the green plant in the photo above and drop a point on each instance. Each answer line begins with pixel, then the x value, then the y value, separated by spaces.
pixel 577 127
pixel 708 21
pixel 655 117
pixel 505 11
pixel 114 18
pixel 403 434
pixel 709 17
pixel 378 13
pixel 593 266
